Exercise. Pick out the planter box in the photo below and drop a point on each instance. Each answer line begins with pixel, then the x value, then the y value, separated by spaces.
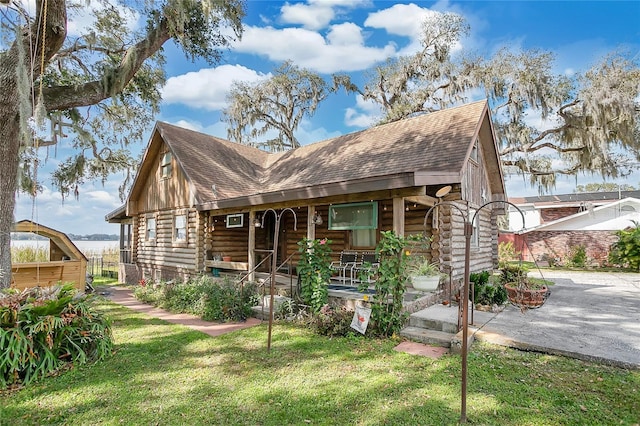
pixel 425 282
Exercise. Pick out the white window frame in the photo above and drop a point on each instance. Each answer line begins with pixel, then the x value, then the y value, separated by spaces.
pixel 235 220
pixel 176 229
pixel 475 226
pixel 148 229
pixel 475 151
pixel 165 165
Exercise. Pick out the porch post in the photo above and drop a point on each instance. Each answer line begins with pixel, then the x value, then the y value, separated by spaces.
pixel 311 227
pixel 251 256
pixel 122 228
pixel 398 216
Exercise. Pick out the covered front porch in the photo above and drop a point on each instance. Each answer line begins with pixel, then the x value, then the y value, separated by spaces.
pixel 241 240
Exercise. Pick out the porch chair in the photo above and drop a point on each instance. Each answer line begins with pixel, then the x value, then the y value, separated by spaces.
pixel 368 261
pixel 344 266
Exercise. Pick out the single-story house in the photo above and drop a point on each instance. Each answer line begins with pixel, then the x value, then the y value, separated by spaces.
pixel 569 221
pixel 196 197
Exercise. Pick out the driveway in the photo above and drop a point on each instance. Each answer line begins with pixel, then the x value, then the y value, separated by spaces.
pixel 593 316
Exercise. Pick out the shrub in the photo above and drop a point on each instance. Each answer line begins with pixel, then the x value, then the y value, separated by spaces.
pixel 44 329
pixel 332 321
pixel 578 256
pixel 314 272
pixel 487 293
pixel 290 310
pixel 206 297
pixel 626 251
pixel 226 301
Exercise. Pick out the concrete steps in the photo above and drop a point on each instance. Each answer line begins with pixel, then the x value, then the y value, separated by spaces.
pixel 430 337
pixel 435 325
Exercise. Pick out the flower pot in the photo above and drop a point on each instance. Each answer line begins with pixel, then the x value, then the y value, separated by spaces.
pixel 226 258
pixel 526 297
pixel 425 282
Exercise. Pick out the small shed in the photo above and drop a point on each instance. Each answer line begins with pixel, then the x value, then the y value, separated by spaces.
pixel 66 262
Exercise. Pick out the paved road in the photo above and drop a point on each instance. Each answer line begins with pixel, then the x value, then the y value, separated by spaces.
pixel 589 315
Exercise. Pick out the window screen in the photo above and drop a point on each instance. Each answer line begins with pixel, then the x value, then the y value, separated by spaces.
pixel 353 216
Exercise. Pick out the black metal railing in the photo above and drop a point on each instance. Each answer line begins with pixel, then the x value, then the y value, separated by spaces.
pixel 97 266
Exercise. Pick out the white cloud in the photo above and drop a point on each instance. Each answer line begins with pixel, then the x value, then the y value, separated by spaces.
pixel 307 133
pixel 208 87
pixel 406 20
pixel 102 196
pixel 217 129
pixel 313 17
pixel 186 124
pixel 347 34
pixel 343 50
pixel 317 14
pixel 400 19
pixel 365 114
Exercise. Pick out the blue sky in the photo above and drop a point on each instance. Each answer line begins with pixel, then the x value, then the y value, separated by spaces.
pixel 351 36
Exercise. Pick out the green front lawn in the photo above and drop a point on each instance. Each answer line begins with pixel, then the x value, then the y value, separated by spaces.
pixel 170 375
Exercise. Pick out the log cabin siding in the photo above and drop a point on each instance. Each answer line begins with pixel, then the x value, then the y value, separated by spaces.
pixel 233 242
pixel 163 257
pixel 449 247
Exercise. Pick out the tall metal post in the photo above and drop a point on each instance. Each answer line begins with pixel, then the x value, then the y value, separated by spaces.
pixel 468 232
pixel 274 262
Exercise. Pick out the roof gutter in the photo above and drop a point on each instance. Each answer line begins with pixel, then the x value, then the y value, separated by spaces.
pixel 403 180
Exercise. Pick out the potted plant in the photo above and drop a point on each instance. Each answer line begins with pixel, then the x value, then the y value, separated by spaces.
pixel 522 290
pixel 425 275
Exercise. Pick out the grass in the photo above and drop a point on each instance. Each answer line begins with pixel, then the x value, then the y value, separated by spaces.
pixel 29 254
pixel 168 374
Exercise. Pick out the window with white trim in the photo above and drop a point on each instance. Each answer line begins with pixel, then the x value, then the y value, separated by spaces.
pixel 150 231
pixel 180 228
pixel 165 165
pixel 475 236
pixel 474 151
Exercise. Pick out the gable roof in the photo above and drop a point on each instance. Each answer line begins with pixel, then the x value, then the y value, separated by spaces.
pixel 60 239
pixel 608 217
pixel 404 153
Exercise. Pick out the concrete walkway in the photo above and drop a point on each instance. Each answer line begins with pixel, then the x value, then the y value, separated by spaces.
pixel 123 296
pixel 594 316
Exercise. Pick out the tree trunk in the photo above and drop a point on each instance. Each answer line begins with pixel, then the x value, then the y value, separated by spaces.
pixel 10 66
pixel 9 149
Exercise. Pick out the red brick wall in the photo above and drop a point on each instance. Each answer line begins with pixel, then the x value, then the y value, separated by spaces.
pixel 548 215
pixel 558 244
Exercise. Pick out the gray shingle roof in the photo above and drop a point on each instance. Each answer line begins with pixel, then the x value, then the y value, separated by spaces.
pixel 435 142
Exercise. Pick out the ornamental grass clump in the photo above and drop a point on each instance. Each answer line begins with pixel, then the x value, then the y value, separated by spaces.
pixel 43 330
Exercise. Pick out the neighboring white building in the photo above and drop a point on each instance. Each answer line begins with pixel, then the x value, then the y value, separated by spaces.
pixel 554 229
pixel 543 209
